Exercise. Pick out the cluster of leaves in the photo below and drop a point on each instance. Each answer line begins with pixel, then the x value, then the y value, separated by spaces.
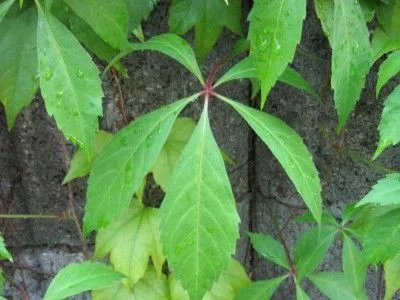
pixel 196 228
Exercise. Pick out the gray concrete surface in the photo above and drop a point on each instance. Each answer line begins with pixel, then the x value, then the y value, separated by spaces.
pixel 32 166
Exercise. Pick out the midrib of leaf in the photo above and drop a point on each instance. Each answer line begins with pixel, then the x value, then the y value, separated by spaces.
pixel 283 146
pixel 134 149
pixel 69 81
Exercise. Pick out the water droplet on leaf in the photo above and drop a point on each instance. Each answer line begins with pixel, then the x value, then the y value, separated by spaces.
pixel 48 74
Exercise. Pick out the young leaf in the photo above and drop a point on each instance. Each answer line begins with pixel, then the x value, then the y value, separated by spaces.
pixel 208 17
pixel 392 276
pixel 150 286
pixel 333 284
pixel 260 290
pixel 311 248
pixel 385 192
pixel 292 77
pixel 300 293
pixel 109 19
pixel 80 164
pixel 81 277
pixel 69 81
pixel 354 272
pixel 388 69
pixel 176 48
pixel 274 32
pixel 289 149
pixel 269 248
pixel 4 7
pixel 18 63
pixel 199 222
pixel 120 168
pixel 351 56
pixel 388 126
pixel 382 241
pixel 3 251
pixel 172 149
pixel 131 240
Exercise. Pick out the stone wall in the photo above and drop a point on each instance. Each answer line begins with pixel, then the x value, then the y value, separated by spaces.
pixel 32 163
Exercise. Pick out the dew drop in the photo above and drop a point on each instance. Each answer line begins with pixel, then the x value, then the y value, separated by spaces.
pixel 80 73
pixel 48 74
pixel 60 94
pixel 355 47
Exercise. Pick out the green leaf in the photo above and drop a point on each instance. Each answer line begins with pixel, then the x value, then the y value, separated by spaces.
pixel 246 69
pixel 2 283
pixel 260 290
pixel 325 10
pixel 351 56
pixel 80 164
pixel 333 284
pixel 300 294
pixel 385 192
pixel 150 286
pixel 138 10
pixel 176 48
pixel 18 63
pixel 269 248
pixel 392 276
pixel 368 8
pixel 326 218
pixel 311 247
pixel 131 240
pixel 69 81
pixel 4 7
pixel 388 69
pixel 354 272
pixel 208 16
pixel 122 165
pixel 388 125
pixel 199 222
pixel 81 277
pixel 289 149
pixel 274 32
pixel 382 241
pixel 85 34
pixel 172 149
pixel 109 19
pixel 388 16
pixel 382 43
pixel 3 251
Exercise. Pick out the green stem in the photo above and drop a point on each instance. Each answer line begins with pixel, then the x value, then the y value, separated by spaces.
pixel 29 216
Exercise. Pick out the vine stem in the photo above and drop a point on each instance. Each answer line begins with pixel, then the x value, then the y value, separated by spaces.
pixel 5 264
pixel 19 287
pixel 59 216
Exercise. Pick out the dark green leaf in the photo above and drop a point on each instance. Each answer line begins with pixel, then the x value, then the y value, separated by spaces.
pixel 3 251
pixel 351 56
pixel 333 284
pixel 4 7
pixel 289 149
pixel 389 18
pixel 138 10
pixel 274 32
pixel 388 69
pixel 18 63
pixel 389 125
pixel 199 222
pixel 269 248
pixel 382 43
pixel 326 218
pixel 81 277
pixel 260 290
pixel 310 249
pixel 69 81
pixel 293 78
pixel 109 19
pixel 122 165
pixel 385 192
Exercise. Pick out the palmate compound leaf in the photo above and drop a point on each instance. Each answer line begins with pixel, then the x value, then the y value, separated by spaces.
pixel 208 17
pixel 199 222
pixel 288 147
pixel 131 240
pixel 385 192
pixel 260 290
pixel 389 125
pixel 225 288
pixel 392 276
pixel 274 32
pixel 334 285
pixel 81 277
pixel 18 63
pixel 121 167
pixel 246 69
pixel 151 286
pixel 269 248
pixel 388 69
pixel 109 19
pixel 69 81
pixel 351 56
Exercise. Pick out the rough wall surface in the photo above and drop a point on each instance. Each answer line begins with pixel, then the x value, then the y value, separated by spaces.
pixel 32 164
